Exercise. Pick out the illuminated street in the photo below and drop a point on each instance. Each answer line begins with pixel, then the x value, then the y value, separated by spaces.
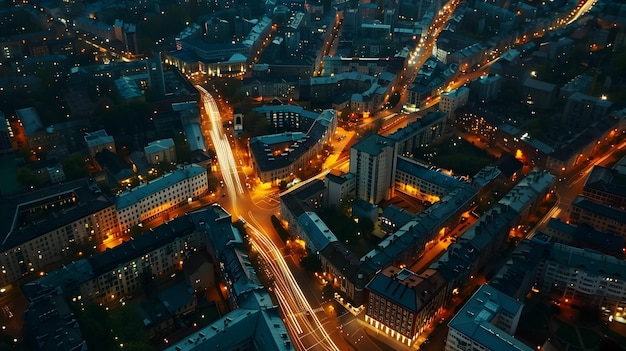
pixel 305 327
pixel 225 158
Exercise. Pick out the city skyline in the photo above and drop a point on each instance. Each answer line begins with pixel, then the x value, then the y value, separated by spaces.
pixel 315 175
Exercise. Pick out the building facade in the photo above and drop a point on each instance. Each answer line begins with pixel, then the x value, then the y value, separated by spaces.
pixel 403 304
pixel 51 224
pixel 452 100
pixel 602 217
pixel 422 183
pixel 486 322
pixel 339 187
pixel 583 277
pixel 159 151
pixel 371 161
pixel 160 195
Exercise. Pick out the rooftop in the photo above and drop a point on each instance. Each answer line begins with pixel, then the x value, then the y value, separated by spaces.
pixel 475 319
pixel 260 327
pixel 159 145
pixel 588 260
pixel 606 180
pixel 277 151
pixel 413 168
pixel 99 137
pixel 373 144
pixel 405 288
pixel 132 196
pixel 317 231
pixel 15 211
pixel 30 120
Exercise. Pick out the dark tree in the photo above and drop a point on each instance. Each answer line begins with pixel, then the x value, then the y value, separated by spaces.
pixel 74 166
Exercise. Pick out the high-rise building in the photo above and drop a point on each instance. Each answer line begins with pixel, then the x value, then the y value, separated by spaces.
pixel 373 163
pixel 130 38
pixel 155 72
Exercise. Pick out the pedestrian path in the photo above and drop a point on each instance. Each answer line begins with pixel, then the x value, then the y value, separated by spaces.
pixel 354 310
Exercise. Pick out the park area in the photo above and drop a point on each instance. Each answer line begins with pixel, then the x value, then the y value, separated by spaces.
pixel 456 154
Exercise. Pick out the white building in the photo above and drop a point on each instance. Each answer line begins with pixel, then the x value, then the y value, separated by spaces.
pixel 161 195
pixel 452 100
pixel 486 322
pixel 98 141
pixel 578 276
pixel 159 151
pixel 372 161
pixel 422 183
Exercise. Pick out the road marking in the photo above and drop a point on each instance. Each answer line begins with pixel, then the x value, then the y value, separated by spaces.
pixel 319 309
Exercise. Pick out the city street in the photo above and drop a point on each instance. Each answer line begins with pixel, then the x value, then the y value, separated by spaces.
pixel 300 318
pixel 571 185
pixel 312 323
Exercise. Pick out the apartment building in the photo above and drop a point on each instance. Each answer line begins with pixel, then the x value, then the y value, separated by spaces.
pixel 605 185
pixel 420 182
pixel 602 217
pixel 402 303
pixel 421 133
pixel 118 272
pixel 185 184
pixel 42 227
pixel 452 100
pixel 303 134
pixel 583 277
pixel 486 322
pixel 372 161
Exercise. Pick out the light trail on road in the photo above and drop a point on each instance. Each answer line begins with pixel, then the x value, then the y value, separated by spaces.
pixel 222 147
pixel 301 318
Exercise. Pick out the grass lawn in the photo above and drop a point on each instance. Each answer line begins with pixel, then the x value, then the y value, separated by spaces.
pixel 458 155
pixel 590 337
pixel 568 334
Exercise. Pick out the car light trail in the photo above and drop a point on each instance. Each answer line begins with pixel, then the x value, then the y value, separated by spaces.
pixel 222 147
pixel 299 314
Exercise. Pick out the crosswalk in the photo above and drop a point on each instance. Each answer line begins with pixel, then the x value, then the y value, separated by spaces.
pixel 319 309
